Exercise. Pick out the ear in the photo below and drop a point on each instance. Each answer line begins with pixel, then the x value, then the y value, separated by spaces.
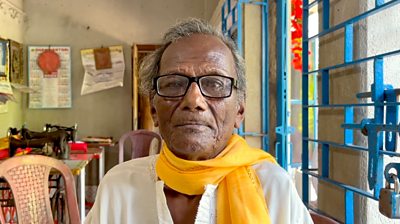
pixel 153 111
pixel 239 114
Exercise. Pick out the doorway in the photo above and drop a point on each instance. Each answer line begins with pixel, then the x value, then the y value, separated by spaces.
pixel 140 104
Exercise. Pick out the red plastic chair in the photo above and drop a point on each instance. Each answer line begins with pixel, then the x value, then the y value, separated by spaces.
pixel 28 178
pixel 140 143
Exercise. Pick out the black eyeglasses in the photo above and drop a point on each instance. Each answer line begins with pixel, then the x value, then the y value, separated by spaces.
pixel 176 85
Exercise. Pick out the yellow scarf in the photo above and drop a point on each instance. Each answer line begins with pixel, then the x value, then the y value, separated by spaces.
pixel 240 197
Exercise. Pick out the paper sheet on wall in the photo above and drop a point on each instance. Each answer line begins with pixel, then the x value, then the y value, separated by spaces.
pixel 50 90
pixel 3 58
pixel 5 88
pixel 6 92
pixel 97 80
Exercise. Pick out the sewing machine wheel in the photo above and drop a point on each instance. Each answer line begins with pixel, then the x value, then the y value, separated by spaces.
pixel 48 149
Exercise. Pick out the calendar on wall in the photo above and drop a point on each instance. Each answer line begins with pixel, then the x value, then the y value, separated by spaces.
pixel 49 76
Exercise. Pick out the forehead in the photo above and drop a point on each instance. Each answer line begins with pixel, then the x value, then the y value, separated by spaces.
pixel 198 54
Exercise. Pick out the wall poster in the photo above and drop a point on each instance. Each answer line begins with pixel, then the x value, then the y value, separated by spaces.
pixel 49 76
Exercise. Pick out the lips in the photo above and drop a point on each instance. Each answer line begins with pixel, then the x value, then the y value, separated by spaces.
pixel 192 124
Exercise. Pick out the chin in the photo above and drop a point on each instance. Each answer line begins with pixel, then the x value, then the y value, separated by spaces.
pixel 192 147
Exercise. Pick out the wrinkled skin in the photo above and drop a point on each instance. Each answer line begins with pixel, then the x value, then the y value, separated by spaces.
pixel 195 127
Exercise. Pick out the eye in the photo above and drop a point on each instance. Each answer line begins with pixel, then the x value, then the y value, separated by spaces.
pixel 172 82
pixel 214 83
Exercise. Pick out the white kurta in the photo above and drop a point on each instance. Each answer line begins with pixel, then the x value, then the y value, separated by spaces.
pixel 130 193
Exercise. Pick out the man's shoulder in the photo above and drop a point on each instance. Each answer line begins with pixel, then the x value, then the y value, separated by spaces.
pixel 121 189
pixel 272 174
pixel 136 167
pixel 283 201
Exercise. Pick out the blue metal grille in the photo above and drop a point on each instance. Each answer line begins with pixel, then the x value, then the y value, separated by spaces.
pixel 384 105
pixel 232 25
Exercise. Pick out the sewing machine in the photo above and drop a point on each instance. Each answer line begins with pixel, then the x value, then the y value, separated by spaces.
pixel 52 142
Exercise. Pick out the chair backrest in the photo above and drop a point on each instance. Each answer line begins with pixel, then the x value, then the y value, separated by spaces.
pixel 28 177
pixel 140 141
pixel 321 219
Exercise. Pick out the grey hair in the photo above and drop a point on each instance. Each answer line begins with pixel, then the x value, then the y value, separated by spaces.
pixel 149 67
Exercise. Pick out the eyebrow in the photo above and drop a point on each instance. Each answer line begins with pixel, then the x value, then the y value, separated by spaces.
pixel 206 72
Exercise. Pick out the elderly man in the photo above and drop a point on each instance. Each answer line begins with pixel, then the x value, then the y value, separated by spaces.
pixel 204 173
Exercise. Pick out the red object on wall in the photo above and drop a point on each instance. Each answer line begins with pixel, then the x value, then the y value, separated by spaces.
pixel 48 61
pixel 297 33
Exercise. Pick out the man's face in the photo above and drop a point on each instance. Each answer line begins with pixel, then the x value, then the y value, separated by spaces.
pixel 196 127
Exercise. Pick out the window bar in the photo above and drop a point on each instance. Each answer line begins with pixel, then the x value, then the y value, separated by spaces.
pixel 392 118
pixel 348 119
pixel 348 40
pixel 325 15
pixel 358 61
pixel 281 100
pixel 375 138
pixel 379 2
pixel 239 41
pixel 265 77
pixel 349 207
pixel 305 131
pixel 353 20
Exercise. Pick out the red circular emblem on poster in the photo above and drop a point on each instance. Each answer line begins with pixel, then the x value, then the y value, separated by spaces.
pixel 48 61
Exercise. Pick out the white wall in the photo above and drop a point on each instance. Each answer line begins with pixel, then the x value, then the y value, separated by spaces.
pixel 11 28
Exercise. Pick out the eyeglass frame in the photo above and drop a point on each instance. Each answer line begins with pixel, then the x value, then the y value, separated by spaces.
pixel 195 79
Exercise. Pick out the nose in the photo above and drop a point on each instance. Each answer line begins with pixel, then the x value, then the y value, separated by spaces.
pixel 194 100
